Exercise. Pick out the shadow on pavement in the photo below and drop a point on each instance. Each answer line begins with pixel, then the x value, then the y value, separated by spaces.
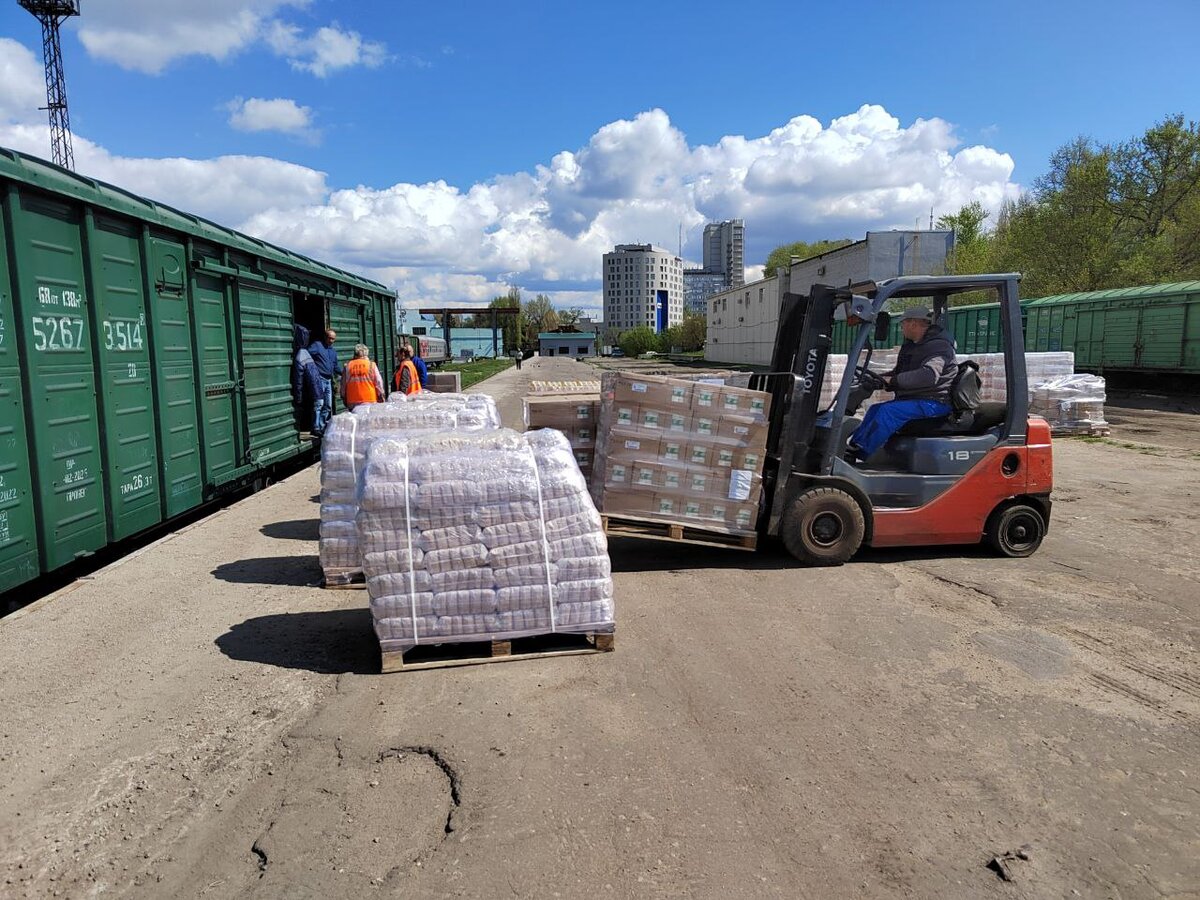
pixel 328 643
pixel 292 571
pixel 293 530
pixel 643 555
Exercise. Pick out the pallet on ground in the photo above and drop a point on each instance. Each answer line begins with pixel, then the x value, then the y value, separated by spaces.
pixel 472 653
pixel 343 580
pixel 1080 431
pixel 679 532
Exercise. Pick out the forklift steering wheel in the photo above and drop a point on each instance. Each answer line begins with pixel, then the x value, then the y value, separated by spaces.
pixel 867 379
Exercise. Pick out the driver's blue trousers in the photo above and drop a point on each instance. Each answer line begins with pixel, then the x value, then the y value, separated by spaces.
pixel 883 420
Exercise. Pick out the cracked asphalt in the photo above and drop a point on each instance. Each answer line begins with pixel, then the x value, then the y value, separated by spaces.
pixel 201 720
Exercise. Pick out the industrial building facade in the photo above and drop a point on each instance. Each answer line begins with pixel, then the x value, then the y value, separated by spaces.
pixel 643 285
pixel 742 321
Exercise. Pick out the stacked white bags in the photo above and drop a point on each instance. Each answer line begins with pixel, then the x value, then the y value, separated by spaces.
pixel 485 536
pixel 344 449
pixel 1072 404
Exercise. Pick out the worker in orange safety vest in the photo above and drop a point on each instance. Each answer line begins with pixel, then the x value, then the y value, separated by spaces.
pixel 406 379
pixel 361 382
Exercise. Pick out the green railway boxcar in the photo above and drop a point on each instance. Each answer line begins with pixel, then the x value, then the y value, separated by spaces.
pixel 145 360
pixel 1143 329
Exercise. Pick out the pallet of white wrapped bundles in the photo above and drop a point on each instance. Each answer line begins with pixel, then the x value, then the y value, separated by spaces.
pixel 344 449
pixel 1072 404
pixel 488 537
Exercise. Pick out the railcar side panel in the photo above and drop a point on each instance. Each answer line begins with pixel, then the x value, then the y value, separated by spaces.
pixel 266 327
pixel 123 370
pixel 53 315
pixel 221 421
pixel 18 532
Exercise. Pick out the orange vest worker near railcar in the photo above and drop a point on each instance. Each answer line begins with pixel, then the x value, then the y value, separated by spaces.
pixel 361 382
pixel 406 379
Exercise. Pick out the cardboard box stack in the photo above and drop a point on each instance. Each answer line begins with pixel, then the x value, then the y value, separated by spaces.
pixel 565 387
pixel 1072 404
pixel 680 451
pixel 575 415
pixel 485 536
pixel 343 452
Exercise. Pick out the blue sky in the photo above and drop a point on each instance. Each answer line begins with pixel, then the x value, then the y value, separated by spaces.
pixel 454 149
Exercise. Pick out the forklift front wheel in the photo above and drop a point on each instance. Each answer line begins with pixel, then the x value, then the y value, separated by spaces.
pixel 1016 530
pixel 823 527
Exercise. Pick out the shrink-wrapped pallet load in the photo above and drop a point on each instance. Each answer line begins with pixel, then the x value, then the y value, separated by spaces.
pixel 485 536
pixel 678 451
pixel 1072 404
pixel 343 451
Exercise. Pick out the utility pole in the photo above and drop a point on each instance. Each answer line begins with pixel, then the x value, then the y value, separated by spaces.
pixel 52 13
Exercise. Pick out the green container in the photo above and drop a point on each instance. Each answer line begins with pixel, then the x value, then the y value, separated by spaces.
pixel 145 361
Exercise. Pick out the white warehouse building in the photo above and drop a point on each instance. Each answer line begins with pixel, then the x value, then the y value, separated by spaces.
pixel 643 285
pixel 742 321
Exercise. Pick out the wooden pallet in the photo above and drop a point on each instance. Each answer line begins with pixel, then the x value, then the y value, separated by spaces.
pixel 634 526
pixel 358 582
pixel 542 646
pixel 1081 431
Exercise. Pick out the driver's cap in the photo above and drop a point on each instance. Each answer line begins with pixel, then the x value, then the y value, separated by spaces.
pixel 917 312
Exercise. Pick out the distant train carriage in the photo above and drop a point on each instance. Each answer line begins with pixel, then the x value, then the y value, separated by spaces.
pixel 431 349
pixel 145 361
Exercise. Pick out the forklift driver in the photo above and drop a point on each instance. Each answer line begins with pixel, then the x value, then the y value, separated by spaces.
pixel 925 370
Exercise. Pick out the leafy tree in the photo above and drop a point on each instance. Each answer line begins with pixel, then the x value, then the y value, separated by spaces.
pixel 570 317
pixel 637 341
pixel 512 327
pixel 782 255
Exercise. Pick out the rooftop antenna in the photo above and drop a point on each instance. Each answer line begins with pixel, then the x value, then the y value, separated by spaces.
pixel 52 13
pixel 931 218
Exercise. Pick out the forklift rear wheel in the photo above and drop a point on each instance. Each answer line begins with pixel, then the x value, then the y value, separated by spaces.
pixel 823 527
pixel 1016 530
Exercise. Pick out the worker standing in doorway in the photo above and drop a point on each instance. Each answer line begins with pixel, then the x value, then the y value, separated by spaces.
pixel 361 382
pixel 326 360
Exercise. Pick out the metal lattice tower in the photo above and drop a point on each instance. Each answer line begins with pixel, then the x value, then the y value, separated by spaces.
pixel 52 13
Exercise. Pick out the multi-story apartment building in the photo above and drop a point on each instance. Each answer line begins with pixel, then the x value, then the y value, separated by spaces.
pixel 724 264
pixel 643 285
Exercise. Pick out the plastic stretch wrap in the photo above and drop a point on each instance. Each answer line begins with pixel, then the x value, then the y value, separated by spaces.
pixel 1070 403
pixel 462 543
pixel 343 453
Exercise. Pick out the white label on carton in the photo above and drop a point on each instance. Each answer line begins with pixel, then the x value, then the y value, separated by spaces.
pixel 666 505
pixel 618 473
pixel 671 452
pixel 716 381
pixel 646 476
pixel 757 405
pixel 704 426
pixel 731 401
pixel 583 412
pixel 699 455
pixel 650 419
pixel 699 482
pixel 740 482
pixel 725 458
pixel 750 462
pixel 638 388
pixel 718 511
pixel 743 518
pixel 741 429
pixel 633 445
pixel 624 416
pixel 678 395
pixel 705 398
pixel 671 480
pixel 677 422
pixel 692 509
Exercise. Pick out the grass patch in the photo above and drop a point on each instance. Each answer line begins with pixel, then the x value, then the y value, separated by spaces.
pixel 477 370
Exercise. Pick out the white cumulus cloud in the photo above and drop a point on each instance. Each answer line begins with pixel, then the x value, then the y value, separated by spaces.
pixel 280 114
pixel 148 35
pixel 545 229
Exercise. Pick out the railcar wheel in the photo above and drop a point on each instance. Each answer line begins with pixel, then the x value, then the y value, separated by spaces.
pixel 823 527
pixel 1016 530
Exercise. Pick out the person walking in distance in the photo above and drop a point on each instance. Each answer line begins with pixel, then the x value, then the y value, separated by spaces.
pixel 517 356
pixel 326 360
pixel 307 391
pixel 361 381
pixel 406 379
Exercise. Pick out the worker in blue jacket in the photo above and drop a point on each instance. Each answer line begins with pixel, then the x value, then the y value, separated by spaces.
pixel 326 360
pixel 422 370
pixel 307 391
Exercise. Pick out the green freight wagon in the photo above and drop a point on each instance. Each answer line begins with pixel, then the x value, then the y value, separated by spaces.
pixel 976 329
pixel 145 361
pixel 1142 329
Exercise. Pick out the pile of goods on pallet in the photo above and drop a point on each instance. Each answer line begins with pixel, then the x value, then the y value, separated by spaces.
pixel 565 387
pixel 484 536
pixel 1072 404
pixel 573 414
pixel 681 451
pixel 343 452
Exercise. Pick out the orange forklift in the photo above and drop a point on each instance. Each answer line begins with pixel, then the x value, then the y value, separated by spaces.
pixel 978 474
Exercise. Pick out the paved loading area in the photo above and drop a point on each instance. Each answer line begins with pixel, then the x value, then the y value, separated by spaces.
pixel 202 720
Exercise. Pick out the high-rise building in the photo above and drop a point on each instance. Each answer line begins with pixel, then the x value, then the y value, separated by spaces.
pixel 724 264
pixel 643 285
pixel 724 245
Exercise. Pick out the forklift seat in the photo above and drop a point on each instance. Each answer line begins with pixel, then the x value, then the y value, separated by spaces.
pixel 968 422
